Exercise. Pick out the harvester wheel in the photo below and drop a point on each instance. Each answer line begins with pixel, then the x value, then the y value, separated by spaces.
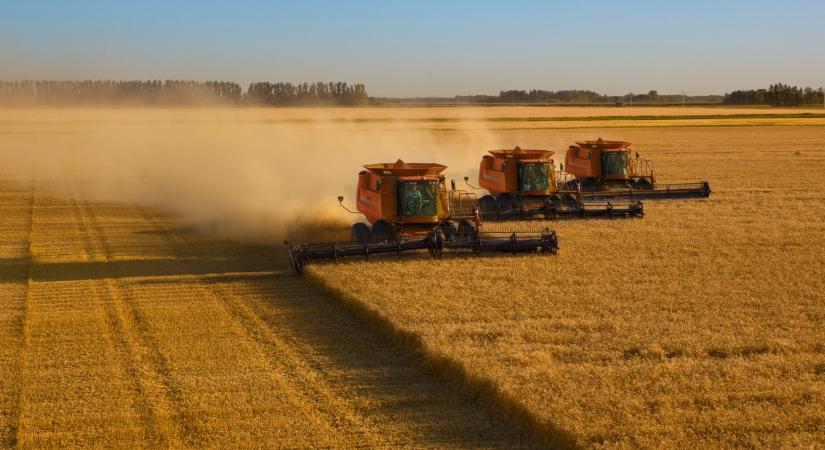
pixel 382 231
pixel 360 232
pixel 643 183
pixel 449 228
pixel 551 207
pixel 487 204
pixel 505 202
pixel 437 243
pixel 589 185
pixel 570 201
pixel 467 231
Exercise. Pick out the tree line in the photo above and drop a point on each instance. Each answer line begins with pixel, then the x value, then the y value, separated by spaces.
pixel 178 92
pixel 182 92
pixel 563 97
pixel 776 95
pixel 334 93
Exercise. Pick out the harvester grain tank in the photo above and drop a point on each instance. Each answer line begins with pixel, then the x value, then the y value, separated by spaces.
pixel 408 207
pixel 609 169
pixel 523 184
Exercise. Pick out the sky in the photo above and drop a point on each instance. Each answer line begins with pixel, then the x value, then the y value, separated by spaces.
pixel 423 48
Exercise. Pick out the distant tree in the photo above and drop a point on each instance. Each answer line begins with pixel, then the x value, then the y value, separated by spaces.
pixel 178 92
pixel 777 94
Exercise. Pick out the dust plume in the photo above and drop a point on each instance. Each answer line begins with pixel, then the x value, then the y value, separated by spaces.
pixel 244 174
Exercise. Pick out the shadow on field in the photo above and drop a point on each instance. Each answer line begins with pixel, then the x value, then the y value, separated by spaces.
pixel 143 268
pixel 14 270
pixel 391 389
pixel 392 384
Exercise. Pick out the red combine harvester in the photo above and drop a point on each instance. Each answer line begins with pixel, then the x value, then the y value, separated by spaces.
pixel 409 208
pixel 607 170
pixel 523 184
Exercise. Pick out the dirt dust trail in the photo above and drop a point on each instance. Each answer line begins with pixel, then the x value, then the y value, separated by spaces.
pixel 238 173
pixel 141 332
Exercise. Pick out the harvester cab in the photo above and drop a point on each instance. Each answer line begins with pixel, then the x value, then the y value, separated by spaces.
pixel 610 169
pixel 607 163
pixel 408 207
pixel 518 171
pixel 524 184
pixel 402 199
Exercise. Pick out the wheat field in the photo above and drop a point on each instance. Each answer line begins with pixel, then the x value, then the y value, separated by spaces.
pixel 128 319
pixel 699 326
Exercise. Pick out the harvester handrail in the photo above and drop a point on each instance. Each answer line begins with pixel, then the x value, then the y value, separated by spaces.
pixel 640 167
pixel 462 203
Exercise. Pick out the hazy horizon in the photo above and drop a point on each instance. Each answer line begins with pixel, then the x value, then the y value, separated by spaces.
pixel 425 49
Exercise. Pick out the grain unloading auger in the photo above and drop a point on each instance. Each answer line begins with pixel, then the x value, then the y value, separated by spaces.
pixel 606 170
pixel 523 184
pixel 410 209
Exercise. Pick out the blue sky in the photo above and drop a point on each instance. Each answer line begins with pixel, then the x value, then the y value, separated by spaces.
pixel 425 47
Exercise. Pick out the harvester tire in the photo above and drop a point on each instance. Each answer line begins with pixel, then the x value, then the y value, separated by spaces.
pixel 467 231
pixel 642 184
pixel 589 185
pixel 487 204
pixel 360 232
pixel 505 202
pixel 449 228
pixel 437 243
pixel 382 231
pixel 569 200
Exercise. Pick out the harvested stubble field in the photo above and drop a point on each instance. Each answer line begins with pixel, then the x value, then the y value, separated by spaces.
pixel 121 327
pixel 699 325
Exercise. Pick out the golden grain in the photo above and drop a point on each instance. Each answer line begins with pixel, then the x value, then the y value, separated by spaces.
pixel 697 326
pixel 121 327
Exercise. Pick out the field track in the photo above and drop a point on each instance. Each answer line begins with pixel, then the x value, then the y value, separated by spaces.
pixel 121 327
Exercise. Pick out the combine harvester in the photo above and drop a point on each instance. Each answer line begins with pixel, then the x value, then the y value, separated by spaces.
pixel 523 184
pixel 606 170
pixel 409 209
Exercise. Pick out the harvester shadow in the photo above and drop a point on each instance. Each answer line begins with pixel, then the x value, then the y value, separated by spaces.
pixel 393 382
pixel 480 390
pixel 425 256
pixel 172 231
pixel 389 387
pixel 14 270
pixel 133 268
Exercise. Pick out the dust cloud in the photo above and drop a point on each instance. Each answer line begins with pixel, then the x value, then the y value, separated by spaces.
pixel 243 174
